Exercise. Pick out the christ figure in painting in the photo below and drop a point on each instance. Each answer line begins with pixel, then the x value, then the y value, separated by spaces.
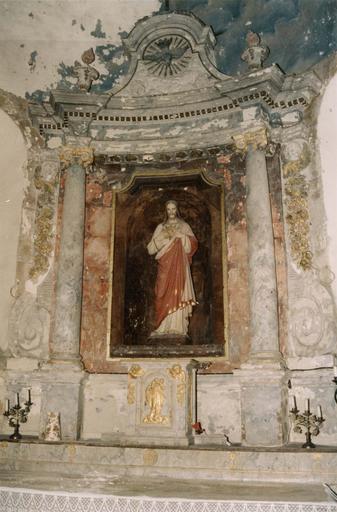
pixel 174 244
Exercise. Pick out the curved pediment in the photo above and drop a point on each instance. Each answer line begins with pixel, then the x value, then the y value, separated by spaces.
pixel 169 53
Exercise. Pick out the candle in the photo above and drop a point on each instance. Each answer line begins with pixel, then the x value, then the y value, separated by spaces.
pixel 29 396
pixel 319 411
pixel 335 371
pixel 18 399
pixel 307 405
pixel 7 405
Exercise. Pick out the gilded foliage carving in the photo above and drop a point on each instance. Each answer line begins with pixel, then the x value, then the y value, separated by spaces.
pixel 70 155
pixel 46 186
pixel 177 373
pixel 298 221
pixel 131 397
pixel 255 138
pixel 134 372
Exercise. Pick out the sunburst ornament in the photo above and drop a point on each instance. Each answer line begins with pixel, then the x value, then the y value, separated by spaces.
pixel 167 56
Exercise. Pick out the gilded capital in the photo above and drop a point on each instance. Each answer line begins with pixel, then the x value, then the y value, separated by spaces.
pixel 257 139
pixel 81 155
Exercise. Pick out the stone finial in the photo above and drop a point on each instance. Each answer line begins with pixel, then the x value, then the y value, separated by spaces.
pixel 86 74
pixel 256 53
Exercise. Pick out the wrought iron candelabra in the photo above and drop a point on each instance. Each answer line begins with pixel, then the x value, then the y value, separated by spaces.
pixel 307 422
pixel 17 414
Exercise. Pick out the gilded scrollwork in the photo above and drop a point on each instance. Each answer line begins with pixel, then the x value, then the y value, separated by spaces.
pixel 297 217
pixel 177 373
pixel 81 155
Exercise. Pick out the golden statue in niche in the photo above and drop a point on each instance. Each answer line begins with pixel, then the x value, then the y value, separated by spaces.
pixel 174 244
pixel 154 399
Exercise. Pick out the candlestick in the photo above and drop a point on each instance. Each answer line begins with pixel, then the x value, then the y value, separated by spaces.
pixel 307 405
pixel 29 396
pixel 308 423
pixel 17 415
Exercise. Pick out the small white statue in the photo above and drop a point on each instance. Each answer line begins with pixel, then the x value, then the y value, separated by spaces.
pixel 53 427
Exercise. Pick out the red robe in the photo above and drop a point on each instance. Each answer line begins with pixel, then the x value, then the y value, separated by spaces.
pixel 171 279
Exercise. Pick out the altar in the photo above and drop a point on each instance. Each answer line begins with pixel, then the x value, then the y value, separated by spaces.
pixel 173 315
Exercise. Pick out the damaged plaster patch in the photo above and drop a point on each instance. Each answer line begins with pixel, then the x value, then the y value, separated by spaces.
pixel 98 32
pixel 54 142
pixel 112 64
pixel 32 60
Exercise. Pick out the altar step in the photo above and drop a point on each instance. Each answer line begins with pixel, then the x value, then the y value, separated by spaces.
pixel 226 464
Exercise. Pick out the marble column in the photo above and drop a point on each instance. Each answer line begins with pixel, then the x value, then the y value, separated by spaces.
pixel 261 255
pixel 65 341
pixel 261 260
pixel 62 376
pixel 263 380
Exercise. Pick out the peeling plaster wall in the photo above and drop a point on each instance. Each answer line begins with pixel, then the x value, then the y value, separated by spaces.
pixel 327 130
pixel 39 40
pixel 13 157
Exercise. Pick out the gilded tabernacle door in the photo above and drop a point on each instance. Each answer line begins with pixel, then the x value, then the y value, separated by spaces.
pixel 167 267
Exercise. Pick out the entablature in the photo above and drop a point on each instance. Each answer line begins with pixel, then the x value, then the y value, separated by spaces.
pixel 192 112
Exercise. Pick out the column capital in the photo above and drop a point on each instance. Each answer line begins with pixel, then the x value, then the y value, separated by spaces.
pixel 258 139
pixel 81 155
